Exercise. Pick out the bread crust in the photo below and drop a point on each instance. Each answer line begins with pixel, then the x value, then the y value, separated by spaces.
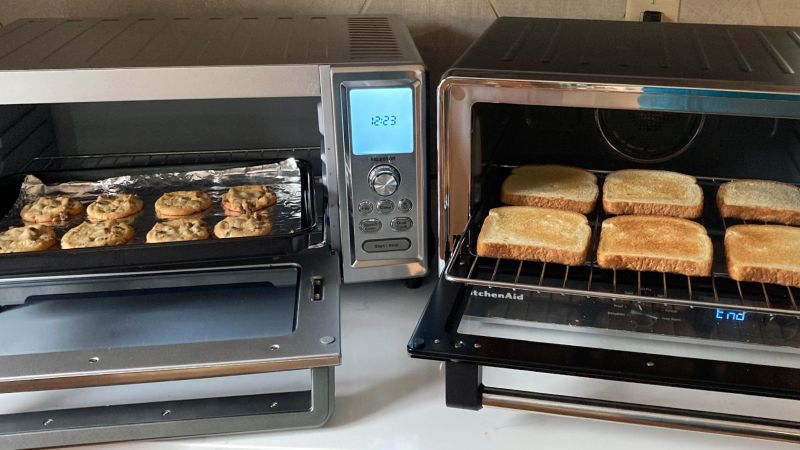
pixel 655 264
pixel 653 209
pixel 531 253
pixel 748 251
pixel 655 243
pixel 548 202
pixel 761 213
pixel 764 275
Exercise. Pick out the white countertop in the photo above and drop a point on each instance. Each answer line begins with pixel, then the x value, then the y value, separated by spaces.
pixel 386 400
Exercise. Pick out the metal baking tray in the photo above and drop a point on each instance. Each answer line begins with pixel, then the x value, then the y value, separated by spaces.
pixel 138 254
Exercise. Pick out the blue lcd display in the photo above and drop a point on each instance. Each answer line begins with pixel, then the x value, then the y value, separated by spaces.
pixel 382 120
pixel 724 314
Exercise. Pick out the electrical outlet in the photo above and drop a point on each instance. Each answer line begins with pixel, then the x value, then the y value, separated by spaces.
pixel 669 9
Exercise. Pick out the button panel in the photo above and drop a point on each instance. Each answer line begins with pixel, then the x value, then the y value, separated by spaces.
pixel 401 223
pixel 386 245
pixel 370 225
pixel 365 207
pixel 385 206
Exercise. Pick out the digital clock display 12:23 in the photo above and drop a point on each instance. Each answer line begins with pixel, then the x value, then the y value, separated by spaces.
pixel 384 121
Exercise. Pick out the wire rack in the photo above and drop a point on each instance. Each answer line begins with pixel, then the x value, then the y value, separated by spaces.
pixel 119 160
pixel 589 280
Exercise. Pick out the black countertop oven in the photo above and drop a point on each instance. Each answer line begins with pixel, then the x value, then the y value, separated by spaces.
pixel 217 335
pixel 716 102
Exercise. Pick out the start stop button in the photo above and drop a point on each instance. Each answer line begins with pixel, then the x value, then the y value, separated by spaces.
pixel 386 245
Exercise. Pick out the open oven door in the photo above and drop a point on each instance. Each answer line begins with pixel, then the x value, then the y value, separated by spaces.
pixel 69 335
pixel 510 315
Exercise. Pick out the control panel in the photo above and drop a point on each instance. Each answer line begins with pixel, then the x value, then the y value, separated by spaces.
pixel 384 161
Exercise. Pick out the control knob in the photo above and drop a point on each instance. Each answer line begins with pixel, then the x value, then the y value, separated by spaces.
pixel 384 180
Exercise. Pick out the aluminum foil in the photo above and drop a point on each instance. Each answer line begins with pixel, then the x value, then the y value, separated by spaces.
pixel 284 178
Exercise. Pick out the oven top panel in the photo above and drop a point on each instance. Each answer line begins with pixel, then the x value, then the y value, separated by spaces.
pixel 643 53
pixel 44 44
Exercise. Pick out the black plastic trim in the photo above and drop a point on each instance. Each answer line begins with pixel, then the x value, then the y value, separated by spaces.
pixel 435 337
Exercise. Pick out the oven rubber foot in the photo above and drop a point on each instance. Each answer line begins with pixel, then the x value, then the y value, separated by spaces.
pixel 413 283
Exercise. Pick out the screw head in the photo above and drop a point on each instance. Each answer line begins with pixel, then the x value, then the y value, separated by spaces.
pixel 477 345
pixel 273 405
pixel 650 364
pixel 274 347
pixel 94 359
pixel 47 422
pixel 165 413
pixel 327 340
pixel 459 344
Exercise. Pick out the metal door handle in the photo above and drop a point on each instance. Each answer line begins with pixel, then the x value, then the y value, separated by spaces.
pixel 633 413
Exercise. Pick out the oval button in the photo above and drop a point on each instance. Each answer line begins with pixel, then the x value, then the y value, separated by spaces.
pixel 386 245
pixel 401 223
pixel 370 225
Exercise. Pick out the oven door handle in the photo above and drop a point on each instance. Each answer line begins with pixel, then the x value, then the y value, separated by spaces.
pixel 633 413
pixel 464 390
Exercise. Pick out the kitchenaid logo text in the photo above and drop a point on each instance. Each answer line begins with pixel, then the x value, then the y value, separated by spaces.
pixel 379 159
pixel 499 295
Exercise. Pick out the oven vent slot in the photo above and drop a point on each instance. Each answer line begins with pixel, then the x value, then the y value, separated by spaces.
pixel 371 38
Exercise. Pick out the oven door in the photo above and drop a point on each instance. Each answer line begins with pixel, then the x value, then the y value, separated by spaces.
pixel 476 320
pixel 72 336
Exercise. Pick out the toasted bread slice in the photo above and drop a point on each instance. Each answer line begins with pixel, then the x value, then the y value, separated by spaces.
pixel 535 234
pixel 763 253
pixel 762 200
pixel 551 186
pixel 652 192
pixel 655 243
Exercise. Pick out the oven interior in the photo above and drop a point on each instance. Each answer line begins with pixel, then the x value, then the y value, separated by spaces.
pixel 712 318
pixel 97 140
pixel 87 321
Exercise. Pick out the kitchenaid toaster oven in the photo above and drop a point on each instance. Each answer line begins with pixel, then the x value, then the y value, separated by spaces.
pixel 711 101
pixel 232 332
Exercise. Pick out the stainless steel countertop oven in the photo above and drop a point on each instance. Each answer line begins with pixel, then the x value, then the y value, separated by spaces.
pixel 716 102
pixel 84 100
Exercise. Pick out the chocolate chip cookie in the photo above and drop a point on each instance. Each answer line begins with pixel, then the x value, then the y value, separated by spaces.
pixel 180 204
pixel 178 230
pixel 242 200
pixel 108 207
pixel 105 233
pixel 51 209
pixel 28 238
pixel 243 226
